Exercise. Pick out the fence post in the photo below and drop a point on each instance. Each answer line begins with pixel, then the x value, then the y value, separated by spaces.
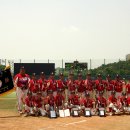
pixel 62 65
pixel 48 60
pixel 90 64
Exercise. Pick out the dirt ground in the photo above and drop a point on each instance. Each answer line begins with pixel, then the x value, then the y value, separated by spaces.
pixel 10 120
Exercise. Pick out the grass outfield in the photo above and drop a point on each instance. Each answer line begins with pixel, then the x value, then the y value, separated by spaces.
pixel 8 100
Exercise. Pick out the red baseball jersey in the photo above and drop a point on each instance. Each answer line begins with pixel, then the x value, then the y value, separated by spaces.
pixel 123 100
pixel 89 84
pixel 74 100
pixel 88 103
pixel 52 85
pixel 51 100
pixel 100 85
pixel 37 101
pixel 42 85
pixel 112 99
pixel 118 85
pixel 80 85
pixel 61 84
pixel 71 85
pixel 59 99
pixel 34 86
pixel 128 88
pixel 102 102
pixel 29 101
pixel 21 80
pixel 109 85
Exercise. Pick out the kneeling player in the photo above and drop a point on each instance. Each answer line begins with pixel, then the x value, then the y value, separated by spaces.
pixel 101 102
pixel 38 105
pixel 87 102
pixel 28 107
pixel 113 104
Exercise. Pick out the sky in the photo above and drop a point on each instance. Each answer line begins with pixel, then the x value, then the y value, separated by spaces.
pixel 64 29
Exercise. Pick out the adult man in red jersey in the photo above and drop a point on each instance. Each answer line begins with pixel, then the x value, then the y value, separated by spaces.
pixel 21 81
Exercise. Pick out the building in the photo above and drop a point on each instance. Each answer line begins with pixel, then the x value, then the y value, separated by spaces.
pixel 127 57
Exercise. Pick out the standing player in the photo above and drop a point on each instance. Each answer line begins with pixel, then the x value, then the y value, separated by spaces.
pixel 109 85
pixel 61 84
pixel 51 84
pixel 71 84
pixel 43 84
pixel 34 85
pixel 21 81
pixel 128 88
pixel 100 85
pixel 89 84
pixel 118 85
pixel 80 86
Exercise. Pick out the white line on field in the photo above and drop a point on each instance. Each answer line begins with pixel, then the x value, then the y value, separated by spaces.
pixel 72 123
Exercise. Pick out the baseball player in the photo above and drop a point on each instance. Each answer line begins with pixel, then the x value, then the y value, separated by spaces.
pixel 51 84
pixel 100 85
pixel 109 85
pixel 113 104
pixel 128 88
pixel 21 81
pixel 38 105
pixel 59 100
pixel 71 84
pixel 34 85
pixel 43 84
pixel 118 85
pixel 80 86
pixel 89 84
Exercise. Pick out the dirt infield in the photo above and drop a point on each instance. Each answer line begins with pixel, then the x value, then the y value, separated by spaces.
pixel 10 120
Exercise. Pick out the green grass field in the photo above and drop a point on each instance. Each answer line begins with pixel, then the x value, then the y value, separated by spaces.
pixel 8 101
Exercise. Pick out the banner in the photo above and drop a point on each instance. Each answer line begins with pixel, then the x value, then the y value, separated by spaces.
pixel 6 80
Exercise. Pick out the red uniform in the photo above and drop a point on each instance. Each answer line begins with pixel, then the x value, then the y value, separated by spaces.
pixel 34 86
pixel 88 103
pixel 80 85
pixel 21 80
pixel 112 99
pixel 109 85
pixel 29 101
pixel 102 102
pixel 61 84
pixel 118 85
pixel 59 100
pixel 52 85
pixel 51 101
pixel 128 88
pixel 100 85
pixel 89 84
pixel 124 101
pixel 71 85
pixel 74 100
pixel 128 100
pixel 42 85
pixel 37 101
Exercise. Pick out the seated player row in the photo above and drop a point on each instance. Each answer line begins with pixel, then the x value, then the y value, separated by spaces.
pixel 39 105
